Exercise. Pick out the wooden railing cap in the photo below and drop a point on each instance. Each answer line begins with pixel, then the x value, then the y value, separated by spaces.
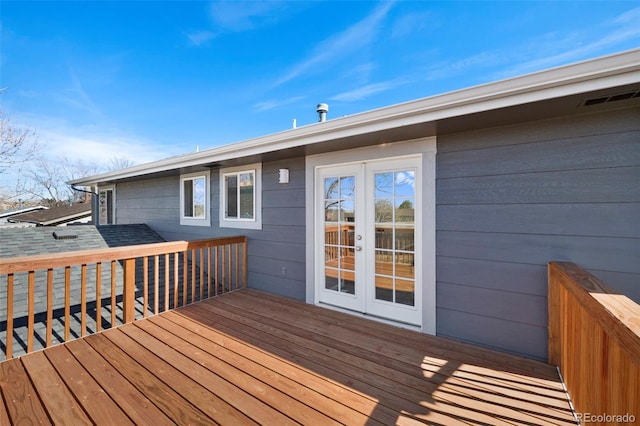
pixel 618 315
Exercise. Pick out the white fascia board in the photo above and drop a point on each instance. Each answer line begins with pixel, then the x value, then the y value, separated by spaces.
pixel 602 73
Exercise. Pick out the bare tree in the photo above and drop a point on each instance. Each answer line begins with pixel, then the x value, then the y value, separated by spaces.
pixel 48 178
pixel 17 144
pixel 119 163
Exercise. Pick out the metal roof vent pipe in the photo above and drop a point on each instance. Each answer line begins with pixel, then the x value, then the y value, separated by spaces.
pixel 322 110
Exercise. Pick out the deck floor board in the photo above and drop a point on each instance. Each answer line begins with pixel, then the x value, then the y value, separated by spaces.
pixel 249 357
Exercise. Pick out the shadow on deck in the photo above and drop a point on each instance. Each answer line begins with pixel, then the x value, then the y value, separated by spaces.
pixel 249 357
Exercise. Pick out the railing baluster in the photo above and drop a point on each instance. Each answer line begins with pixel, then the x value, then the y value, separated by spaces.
pixel 145 286
pixel 83 302
pixel 67 302
pixel 166 281
pixel 49 306
pixel 201 273
pixel 223 268
pixel 185 273
pixel 9 343
pixel 176 258
pixel 244 264
pixel 193 275
pixel 216 273
pixel 229 269
pixel 31 315
pixel 98 296
pixel 113 293
pixel 156 279
pixel 129 290
pixel 237 247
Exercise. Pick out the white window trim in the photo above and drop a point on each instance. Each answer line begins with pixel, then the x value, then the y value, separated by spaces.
pixel 256 222
pixel 111 188
pixel 196 221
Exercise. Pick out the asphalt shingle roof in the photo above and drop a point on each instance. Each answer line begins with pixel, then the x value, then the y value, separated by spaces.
pixel 31 241
pixel 54 215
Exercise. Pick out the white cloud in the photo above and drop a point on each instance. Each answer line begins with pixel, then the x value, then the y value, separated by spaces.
pixel 77 97
pixel 353 39
pixel 272 103
pixel 555 49
pixel 365 91
pixel 245 15
pixel 198 38
pixel 410 23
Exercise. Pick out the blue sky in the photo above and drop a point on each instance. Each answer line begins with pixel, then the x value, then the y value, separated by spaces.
pixel 151 79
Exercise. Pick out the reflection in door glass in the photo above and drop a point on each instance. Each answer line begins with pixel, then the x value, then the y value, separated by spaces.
pixel 339 227
pixel 394 205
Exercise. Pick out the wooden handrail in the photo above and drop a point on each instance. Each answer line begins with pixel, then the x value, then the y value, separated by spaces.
pixel 210 267
pixel 59 260
pixel 594 339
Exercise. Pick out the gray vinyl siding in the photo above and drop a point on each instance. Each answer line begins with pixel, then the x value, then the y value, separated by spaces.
pixel 276 254
pixel 510 199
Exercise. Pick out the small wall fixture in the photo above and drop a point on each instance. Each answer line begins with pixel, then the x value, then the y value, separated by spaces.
pixel 283 176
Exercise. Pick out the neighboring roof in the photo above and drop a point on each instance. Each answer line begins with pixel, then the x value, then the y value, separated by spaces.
pixel 55 215
pixel 16 242
pixel 534 96
pixel 13 212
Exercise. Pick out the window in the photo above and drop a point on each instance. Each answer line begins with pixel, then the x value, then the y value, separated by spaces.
pixel 106 206
pixel 240 197
pixel 194 196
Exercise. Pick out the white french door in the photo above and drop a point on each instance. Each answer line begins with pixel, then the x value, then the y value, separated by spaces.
pixel 368 235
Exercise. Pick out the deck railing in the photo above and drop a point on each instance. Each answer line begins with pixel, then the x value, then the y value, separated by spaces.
pixel 52 297
pixel 594 339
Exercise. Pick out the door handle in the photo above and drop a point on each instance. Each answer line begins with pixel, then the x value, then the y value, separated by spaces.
pixel 358 248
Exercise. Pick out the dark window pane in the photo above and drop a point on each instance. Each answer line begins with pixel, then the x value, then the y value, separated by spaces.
pixel 231 184
pixel 188 197
pixel 246 195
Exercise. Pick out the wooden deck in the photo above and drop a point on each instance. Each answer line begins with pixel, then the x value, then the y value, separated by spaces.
pixel 249 357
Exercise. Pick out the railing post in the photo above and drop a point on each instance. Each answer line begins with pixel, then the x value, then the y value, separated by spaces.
pixel 129 290
pixel 554 328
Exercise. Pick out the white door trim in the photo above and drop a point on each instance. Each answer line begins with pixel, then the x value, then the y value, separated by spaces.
pixel 426 147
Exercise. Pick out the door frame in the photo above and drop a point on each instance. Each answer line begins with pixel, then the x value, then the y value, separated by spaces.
pixel 427 148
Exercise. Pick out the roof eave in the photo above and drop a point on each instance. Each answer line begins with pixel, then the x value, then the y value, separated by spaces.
pixel 596 74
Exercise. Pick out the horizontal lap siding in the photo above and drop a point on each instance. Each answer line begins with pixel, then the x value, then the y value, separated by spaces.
pixel 511 199
pixel 276 253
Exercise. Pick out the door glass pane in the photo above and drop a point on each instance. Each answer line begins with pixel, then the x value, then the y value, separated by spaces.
pixel 339 235
pixel 347 211
pixel 331 188
pixel 384 237
pixel 405 265
pixel 405 292
pixel 383 185
pixel 384 288
pixel 405 238
pixel 394 205
pixel 404 183
pixel 347 187
pixel 384 210
pixel 405 212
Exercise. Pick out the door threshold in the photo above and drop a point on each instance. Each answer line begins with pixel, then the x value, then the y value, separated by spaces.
pixel 383 320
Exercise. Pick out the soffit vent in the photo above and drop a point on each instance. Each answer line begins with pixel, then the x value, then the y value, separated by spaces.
pixel 613 98
pixel 65 235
